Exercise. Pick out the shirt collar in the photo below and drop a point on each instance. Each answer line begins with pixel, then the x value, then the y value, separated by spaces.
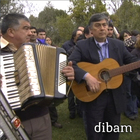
pixel 4 43
pixel 105 43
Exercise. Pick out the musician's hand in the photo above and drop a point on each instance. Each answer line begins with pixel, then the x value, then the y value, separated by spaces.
pixel 0 80
pixel 68 71
pixel 93 83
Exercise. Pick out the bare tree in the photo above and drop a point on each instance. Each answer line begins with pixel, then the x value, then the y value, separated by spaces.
pixel 10 6
pixel 113 5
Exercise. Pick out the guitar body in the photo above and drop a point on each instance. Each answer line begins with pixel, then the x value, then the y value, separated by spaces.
pixel 96 70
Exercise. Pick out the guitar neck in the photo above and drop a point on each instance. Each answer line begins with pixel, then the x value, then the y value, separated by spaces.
pixel 124 68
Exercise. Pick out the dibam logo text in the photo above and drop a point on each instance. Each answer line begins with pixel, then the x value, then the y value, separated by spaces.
pixel 105 127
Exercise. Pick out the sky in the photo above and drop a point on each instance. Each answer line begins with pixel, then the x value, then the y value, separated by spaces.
pixel 38 6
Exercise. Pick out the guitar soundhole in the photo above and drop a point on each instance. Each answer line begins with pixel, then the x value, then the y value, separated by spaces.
pixel 104 75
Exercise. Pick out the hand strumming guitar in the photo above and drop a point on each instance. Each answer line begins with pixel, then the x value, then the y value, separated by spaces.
pixel 93 83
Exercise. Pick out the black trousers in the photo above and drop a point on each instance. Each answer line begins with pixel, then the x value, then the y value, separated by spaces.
pixel 100 112
pixel 73 103
pixel 53 113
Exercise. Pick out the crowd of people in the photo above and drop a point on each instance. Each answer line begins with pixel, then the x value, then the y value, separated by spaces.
pixel 94 43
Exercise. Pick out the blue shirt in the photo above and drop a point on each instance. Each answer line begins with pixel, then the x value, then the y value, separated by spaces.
pixel 102 49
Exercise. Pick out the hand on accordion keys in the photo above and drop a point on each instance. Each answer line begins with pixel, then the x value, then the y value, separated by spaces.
pixel 68 71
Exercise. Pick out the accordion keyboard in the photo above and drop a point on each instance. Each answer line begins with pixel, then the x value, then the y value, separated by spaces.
pixel 9 86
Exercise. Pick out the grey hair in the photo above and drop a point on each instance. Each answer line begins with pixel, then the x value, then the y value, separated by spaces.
pixel 97 17
pixel 11 21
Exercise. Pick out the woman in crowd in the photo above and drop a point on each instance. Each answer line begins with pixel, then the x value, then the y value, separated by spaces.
pixel 49 41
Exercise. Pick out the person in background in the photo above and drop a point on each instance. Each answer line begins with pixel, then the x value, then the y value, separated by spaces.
pixel 128 39
pixel 135 86
pixel 54 115
pixel 87 33
pixel 41 35
pixel 52 107
pixel 33 37
pixel 82 36
pixel 81 28
pixel 131 110
pixel 73 102
pixel 125 34
pixel 70 43
pixel 135 33
pixel 35 119
pixel 109 105
pixel 49 41
pixel 111 26
pixel 110 30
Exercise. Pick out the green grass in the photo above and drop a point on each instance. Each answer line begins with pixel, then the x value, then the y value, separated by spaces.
pixel 74 129
pixel 135 134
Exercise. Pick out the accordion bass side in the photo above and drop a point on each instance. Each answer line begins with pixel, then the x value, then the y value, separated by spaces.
pixel 33 75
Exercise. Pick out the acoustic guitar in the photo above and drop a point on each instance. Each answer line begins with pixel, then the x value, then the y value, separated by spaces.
pixel 108 72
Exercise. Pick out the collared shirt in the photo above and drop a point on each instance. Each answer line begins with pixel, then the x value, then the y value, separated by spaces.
pixel 7 46
pixel 102 49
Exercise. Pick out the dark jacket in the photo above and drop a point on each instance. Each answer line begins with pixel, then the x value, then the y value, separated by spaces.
pixel 68 45
pixel 136 76
pixel 86 51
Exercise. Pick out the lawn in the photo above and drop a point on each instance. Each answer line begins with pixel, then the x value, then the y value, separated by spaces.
pixel 74 129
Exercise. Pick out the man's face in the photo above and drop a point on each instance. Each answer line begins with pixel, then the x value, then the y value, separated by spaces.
pixel 21 34
pixel 41 35
pixel 33 35
pixel 99 30
pixel 110 32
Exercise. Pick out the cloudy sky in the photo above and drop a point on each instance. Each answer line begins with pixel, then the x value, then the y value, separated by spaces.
pixel 38 6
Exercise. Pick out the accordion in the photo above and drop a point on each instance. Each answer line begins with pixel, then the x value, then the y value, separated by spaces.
pixel 33 75
pixel 10 125
pixel 130 41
